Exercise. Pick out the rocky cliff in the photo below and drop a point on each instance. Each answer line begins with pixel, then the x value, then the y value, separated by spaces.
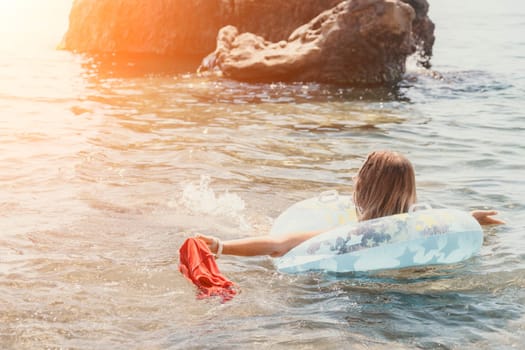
pixel 372 49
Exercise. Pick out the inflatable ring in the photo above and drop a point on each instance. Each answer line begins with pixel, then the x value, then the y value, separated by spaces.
pixel 417 238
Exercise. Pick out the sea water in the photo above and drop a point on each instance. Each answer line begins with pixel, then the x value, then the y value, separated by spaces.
pixel 109 164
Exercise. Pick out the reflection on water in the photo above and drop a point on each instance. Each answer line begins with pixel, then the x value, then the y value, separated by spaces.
pixel 109 163
pixel 103 66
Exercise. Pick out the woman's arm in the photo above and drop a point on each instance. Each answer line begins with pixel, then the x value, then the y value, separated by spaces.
pixel 484 217
pixel 278 246
pixel 260 245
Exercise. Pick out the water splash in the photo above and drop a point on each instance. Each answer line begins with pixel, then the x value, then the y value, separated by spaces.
pixel 200 199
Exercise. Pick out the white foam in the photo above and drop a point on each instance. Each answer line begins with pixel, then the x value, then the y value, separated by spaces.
pixel 201 200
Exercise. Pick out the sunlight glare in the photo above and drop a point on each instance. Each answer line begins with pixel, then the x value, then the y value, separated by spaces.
pixel 28 23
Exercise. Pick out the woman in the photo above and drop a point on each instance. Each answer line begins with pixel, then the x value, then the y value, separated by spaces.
pixel 385 185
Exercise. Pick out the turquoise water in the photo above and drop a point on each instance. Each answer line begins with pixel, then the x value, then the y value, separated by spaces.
pixel 109 164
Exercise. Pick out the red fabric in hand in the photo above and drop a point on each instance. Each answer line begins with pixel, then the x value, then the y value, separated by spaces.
pixel 197 263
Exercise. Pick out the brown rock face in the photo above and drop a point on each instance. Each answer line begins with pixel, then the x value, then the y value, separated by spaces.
pixel 356 42
pixel 179 27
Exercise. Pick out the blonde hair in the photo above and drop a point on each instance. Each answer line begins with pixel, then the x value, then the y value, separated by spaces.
pixel 385 185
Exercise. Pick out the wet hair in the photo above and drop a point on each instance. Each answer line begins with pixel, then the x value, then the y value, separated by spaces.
pixel 385 185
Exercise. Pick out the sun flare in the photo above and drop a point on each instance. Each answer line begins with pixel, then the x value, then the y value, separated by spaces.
pixel 24 19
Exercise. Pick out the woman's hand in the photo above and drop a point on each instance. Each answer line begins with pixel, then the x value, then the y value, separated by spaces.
pixel 484 217
pixel 211 242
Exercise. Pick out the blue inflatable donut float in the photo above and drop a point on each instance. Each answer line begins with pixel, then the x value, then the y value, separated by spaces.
pixel 421 237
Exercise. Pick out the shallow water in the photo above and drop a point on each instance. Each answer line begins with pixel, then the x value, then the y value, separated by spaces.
pixel 109 164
